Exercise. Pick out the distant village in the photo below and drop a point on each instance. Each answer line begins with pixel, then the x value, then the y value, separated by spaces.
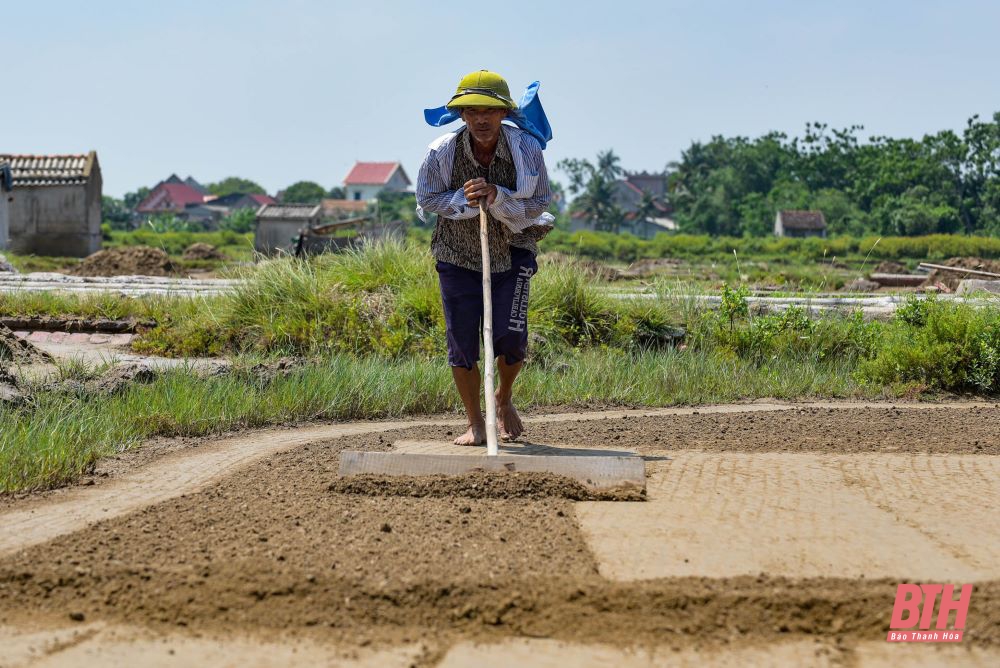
pixel 52 205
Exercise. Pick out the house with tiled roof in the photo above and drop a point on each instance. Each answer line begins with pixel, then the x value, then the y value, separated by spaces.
pixel 792 223
pixel 54 204
pixel 170 197
pixel 190 181
pixel 367 179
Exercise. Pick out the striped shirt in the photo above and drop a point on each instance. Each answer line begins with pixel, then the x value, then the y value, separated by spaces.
pixel 520 206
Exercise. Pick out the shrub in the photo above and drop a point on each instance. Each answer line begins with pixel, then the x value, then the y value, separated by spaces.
pixel 941 345
pixel 240 221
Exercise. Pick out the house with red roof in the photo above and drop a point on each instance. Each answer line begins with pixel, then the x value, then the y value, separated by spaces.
pixel 170 198
pixel 367 179
pixel 189 200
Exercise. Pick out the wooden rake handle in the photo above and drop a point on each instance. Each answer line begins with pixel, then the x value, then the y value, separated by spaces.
pixel 492 448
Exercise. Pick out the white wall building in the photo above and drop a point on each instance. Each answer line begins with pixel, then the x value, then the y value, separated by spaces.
pixel 367 179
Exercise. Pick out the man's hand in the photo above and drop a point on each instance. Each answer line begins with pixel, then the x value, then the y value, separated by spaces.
pixel 476 189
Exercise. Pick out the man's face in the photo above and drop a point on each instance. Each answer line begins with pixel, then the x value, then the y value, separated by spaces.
pixel 484 122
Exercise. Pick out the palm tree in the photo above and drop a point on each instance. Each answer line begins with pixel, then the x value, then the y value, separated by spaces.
pixel 607 165
pixel 596 188
pixel 598 203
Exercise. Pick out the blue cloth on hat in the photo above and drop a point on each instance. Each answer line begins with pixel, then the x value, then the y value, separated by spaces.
pixel 528 115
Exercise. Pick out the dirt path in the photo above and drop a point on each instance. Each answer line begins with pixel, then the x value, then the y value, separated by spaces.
pixel 179 473
pixel 772 533
pixel 102 644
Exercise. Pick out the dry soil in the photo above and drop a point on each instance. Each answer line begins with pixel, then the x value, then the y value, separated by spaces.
pixel 263 551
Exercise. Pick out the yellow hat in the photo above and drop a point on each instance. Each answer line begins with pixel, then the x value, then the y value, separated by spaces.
pixel 482 89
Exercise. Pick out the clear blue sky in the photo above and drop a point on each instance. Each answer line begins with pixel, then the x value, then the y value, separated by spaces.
pixel 300 89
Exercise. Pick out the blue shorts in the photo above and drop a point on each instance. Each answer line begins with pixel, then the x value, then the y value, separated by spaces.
pixel 462 295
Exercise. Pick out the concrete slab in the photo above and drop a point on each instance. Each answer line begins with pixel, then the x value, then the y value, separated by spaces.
pixel 517 448
pixel 531 653
pixel 100 645
pixel 804 515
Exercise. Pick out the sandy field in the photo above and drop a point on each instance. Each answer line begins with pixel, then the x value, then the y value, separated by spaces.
pixel 771 534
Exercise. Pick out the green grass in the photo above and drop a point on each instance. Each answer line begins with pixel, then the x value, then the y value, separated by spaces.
pixel 373 319
pixel 385 300
pixel 31 263
pixel 60 435
pixel 237 248
pixel 89 305
pixel 627 248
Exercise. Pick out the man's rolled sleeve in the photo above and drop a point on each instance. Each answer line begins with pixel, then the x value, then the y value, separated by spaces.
pixel 520 212
pixel 434 195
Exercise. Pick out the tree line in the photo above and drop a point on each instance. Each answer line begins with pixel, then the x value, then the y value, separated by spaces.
pixel 946 182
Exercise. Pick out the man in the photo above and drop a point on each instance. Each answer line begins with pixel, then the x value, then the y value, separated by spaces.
pixel 485 163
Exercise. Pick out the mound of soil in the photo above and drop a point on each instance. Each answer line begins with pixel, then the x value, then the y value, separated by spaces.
pixel 951 279
pixel 890 267
pixel 126 261
pixel 113 381
pixel 120 378
pixel 9 394
pixel 203 251
pixel 477 485
pixel 17 351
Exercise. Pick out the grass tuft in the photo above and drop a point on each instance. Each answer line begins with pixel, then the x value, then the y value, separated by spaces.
pixel 60 435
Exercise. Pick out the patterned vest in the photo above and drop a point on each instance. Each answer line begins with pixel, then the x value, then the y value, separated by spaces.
pixel 457 241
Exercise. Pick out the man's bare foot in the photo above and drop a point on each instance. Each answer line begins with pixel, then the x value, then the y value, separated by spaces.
pixel 508 420
pixel 475 435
